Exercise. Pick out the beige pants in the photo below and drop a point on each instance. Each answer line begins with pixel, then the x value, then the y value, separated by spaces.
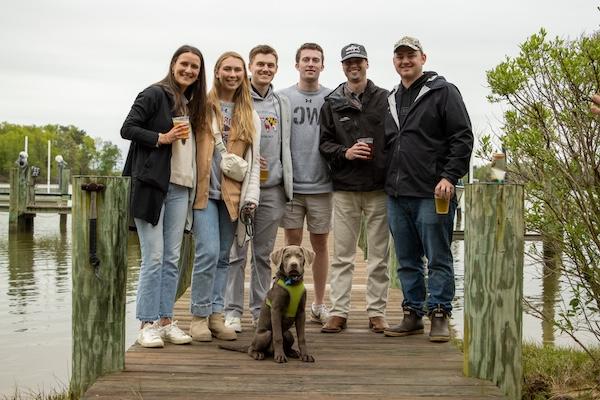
pixel 348 208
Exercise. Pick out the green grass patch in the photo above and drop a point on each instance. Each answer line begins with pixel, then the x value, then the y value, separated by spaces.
pixel 28 394
pixel 557 372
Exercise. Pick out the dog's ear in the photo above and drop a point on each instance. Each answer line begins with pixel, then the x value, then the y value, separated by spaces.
pixel 277 256
pixel 309 255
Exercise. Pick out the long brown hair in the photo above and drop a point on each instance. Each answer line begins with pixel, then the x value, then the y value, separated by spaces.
pixel 242 121
pixel 195 93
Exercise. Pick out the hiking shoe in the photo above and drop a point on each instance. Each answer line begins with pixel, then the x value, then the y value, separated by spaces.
pixel 149 335
pixel 199 329
pixel 319 313
pixel 217 327
pixel 234 323
pixel 173 334
pixel 411 324
pixel 440 331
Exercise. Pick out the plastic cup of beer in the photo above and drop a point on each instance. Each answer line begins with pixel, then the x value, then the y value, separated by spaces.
pixel 264 174
pixel 369 142
pixel 442 205
pixel 183 120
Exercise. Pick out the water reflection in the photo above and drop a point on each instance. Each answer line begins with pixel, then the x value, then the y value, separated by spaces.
pixel 550 286
pixel 21 283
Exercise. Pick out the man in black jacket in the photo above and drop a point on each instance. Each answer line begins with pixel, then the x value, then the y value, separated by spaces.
pixel 428 148
pixel 352 115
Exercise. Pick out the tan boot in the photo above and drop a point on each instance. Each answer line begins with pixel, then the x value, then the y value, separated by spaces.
pixel 216 324
pixel 199 329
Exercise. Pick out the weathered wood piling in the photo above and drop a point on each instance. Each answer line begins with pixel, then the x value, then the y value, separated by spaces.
pixel 18 218
pixel 63 185
pixel 99 291
pixel 494 244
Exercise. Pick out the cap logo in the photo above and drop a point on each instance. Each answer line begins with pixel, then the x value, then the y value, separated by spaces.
pixel 352 49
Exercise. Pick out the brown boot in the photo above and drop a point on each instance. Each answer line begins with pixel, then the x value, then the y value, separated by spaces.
pixel 199 329
pixel 334 324
pixel 411 324
pixel 440 331
pixel 378 324
pixel 216 324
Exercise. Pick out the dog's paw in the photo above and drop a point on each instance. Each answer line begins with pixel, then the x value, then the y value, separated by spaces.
pixel 308 358
pixel 280 358
pixel 257 355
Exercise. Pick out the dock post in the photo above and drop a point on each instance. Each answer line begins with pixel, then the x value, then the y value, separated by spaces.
pixel 65 181
pixel 493 316
pixel 99 292
pixel 18 219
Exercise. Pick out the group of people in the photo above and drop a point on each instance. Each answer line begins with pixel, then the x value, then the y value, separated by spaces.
pixel 327 159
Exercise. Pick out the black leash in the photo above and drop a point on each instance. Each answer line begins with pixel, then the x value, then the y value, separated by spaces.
pixel 247 218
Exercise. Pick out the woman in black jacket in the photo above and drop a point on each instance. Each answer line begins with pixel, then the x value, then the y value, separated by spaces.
pixel 161 163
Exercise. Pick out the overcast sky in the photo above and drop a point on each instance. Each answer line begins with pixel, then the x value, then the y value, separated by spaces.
pixel 83 62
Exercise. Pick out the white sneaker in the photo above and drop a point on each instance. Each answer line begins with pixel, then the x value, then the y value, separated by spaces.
pixel 234 323
pixel 319 313
pixel 173 334
pixel 149 336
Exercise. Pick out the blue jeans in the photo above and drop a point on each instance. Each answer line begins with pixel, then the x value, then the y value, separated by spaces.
pixel 160 246
pixel 419 232
pixel 213 237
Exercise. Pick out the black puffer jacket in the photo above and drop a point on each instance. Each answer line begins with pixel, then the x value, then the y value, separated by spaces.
pixel 149 166
pixel 341 124
pixel 434 142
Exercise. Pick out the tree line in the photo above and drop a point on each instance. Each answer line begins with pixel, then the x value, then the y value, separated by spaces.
pixel 83 154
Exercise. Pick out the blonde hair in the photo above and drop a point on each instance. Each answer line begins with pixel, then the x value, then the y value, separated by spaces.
pixel 242 124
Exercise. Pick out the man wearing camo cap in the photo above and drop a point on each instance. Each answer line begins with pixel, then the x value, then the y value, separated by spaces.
pixel 428 144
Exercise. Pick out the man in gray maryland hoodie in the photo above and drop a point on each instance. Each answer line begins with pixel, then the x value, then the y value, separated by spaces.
pixel 275 190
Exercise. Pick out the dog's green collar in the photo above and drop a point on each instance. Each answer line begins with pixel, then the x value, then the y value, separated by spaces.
pixel 295 291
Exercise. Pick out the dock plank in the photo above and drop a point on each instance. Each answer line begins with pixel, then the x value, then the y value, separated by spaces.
pixel 354 364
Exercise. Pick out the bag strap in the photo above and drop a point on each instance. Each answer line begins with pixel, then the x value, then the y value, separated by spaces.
pixel 217 135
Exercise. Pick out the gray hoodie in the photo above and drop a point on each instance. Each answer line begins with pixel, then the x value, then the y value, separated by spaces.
pixel 275 118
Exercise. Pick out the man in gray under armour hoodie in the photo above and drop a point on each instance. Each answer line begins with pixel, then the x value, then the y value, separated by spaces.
pixel 275 189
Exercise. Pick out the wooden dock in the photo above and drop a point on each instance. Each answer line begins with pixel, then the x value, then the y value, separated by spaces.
pixel 354 364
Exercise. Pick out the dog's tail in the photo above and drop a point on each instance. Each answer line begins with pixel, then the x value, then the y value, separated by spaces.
pixel 233 347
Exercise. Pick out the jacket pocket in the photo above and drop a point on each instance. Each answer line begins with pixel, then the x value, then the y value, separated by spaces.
pixel 153 173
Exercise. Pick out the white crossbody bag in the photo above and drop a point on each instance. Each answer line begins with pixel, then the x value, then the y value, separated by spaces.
pixel 232 165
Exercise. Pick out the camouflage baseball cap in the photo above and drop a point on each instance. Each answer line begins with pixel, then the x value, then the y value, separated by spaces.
pixel 353 50
pixel 408 41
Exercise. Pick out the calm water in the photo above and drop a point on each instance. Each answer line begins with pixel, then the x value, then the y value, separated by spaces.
pixel 35 303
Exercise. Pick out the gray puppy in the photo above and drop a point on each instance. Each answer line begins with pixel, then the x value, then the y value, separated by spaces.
pixel 282 308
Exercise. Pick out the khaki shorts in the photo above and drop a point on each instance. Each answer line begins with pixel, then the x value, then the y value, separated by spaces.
pixel 316 207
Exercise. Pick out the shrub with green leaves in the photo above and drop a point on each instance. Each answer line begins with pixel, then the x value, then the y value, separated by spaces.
pixel 553 143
